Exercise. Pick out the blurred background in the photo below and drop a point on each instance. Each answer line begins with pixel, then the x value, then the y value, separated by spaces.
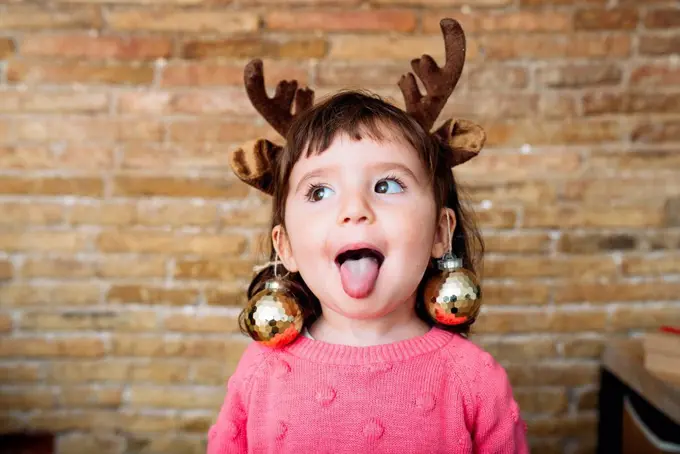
pixel 126 243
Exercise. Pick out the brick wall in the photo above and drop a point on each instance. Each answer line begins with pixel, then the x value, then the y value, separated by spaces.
pixel 125 241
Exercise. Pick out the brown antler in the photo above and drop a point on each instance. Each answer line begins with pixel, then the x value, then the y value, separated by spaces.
pixel 439 82
pixel 276 110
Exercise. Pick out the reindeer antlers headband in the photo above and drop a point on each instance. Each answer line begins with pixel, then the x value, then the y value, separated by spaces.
pixel 464 139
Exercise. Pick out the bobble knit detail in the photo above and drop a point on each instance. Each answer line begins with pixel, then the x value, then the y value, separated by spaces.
pixel 433 393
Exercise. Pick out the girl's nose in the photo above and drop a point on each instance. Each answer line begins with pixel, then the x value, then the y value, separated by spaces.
pixel 355 209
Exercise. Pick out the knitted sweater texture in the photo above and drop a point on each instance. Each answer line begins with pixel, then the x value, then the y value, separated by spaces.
pixel 436 393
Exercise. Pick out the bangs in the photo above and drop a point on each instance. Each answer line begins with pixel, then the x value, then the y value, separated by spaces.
pixel 359 116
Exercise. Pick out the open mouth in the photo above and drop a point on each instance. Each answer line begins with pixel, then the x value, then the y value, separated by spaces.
pixel 357 254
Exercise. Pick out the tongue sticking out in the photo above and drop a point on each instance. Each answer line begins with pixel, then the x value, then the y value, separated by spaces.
pixel 358 276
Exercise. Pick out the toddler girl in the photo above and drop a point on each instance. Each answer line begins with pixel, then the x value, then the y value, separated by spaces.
pixel 364 205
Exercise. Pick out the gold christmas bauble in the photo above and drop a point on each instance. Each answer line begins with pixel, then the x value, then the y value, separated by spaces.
pixel 453 297
pixel 273 317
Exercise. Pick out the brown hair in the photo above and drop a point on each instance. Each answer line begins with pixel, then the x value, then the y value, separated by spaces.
pixel 360 115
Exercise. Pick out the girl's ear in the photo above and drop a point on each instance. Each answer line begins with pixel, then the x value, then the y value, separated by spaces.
pixel 282 247
pixel 443 232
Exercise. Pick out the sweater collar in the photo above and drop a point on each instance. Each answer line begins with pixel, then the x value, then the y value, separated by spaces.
pixel 323 352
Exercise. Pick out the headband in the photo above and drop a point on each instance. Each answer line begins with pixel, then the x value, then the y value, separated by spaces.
pixel 253 163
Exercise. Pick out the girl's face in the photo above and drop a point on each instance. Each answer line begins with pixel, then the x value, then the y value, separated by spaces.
pixel 364 194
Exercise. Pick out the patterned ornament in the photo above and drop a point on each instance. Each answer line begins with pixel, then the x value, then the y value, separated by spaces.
pixel 273 315
pixel 454 297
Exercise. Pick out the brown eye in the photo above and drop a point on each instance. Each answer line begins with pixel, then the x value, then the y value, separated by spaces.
pixel 318 193
pixel 389 185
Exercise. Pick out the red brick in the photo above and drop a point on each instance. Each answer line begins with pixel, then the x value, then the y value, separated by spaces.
pixel 21 17
pixel 497 76
pixel 44 241
pixel 538 320
pixel 230 101
pixel 583 347
pixel 62 294
pixel 178 214
pixel 88 320
pixel 226 295
pixel 358 74
pixel 219 131
pixel 256 47
pixel 19 373
pixel 587 266
pixel 651 265
pixel 637 162
pixel 96 47
pixel 168 243
pixel 568 131
pixel 552 373
pixel 106 266
pixel 522 21
pixel 516 293
pixel 557 105
pixel 387 47
pixel 493 105
pixel 103 214
pixel 116 370
pixel 581 243
pixel 202 323
pixel 647 317
pixel 616 292
pixel 142 186
pixel 191 74
pixel 562 216
pixel 514 166
pixel 663 18
pixel 510 243
pixel 508 349
pixel 259 216
pixel 542 401
pixel 18 214
pixel 496 218
pixel 208 373
pixel 595 103
pixel 76 186
pixel 151 295
pixel 606 19
pixel 7 47
pixel 87 396
pixel 6 270
pixel 100 443
pixel 516 191
pixel 223 270
pixel 170 444
pixel 80 129
pixel 81 72
pixel 655 131
pixel 39 347
pixel 46 102
pixel 574 76
pixel 178 21
pixel 334 21
pixel 43 157
pixel 524 3
pixel 654 75
pixel 564 427
pixel 22 398
pixel 659 44
pixel 579 45
pixel 6 323
pixel 225 349
pixel 176 397
pixel 440 3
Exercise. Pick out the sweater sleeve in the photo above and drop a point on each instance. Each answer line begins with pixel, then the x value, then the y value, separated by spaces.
pixel 228 434
pixel 498 426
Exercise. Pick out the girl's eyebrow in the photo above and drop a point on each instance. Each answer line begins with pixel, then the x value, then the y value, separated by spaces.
pixel 381 167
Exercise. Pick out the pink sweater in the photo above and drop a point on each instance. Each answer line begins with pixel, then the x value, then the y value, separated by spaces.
pixel 431 394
